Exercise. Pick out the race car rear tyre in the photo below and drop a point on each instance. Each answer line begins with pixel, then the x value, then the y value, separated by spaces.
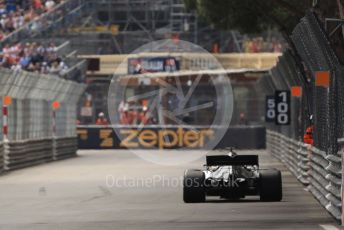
pixel 270 188
pixel 193 186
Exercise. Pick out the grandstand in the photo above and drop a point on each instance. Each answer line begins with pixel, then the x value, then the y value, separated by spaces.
pixel 41 84
pixel 17 14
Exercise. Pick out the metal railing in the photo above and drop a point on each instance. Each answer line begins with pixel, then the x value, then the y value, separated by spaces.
pixel 294 154
pixel 312 167
pixel 37 132
pixel 319 167
pixel 2 160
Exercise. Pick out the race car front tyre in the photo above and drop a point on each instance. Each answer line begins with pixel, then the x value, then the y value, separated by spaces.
pixel 193 186
pixel 270 185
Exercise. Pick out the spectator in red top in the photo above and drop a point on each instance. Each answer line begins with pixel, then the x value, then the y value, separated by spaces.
pixel 144 118
pixel 127 117
pixel 37 4
pixel 101 119
pixel 308 137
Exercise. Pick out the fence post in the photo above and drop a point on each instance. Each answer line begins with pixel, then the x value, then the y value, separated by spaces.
pixel 341 149
pixel 55 106
pixel 6 101
pixel 309 164
pixel 5 122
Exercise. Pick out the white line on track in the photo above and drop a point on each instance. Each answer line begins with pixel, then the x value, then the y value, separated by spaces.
pixel 328 227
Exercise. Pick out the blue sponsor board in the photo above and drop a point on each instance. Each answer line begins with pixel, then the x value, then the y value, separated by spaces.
pixel 152 65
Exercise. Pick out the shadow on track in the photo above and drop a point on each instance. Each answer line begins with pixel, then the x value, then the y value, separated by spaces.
pixel 221 200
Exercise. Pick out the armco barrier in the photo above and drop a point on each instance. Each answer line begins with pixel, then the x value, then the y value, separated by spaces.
pixel 65 147
pixel 1 157
pixel 153 136
pixel 318 166
pixel 293 153
pixel 313 167
pixel 25 153
pixel 36 129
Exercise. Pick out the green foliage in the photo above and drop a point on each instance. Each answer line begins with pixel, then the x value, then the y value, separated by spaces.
pixel 190 4
pixel 251 16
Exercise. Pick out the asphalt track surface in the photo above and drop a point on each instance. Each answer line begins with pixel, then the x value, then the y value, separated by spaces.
pixel 114 189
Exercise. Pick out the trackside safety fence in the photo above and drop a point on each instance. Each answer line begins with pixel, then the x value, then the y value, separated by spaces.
pixel 38 118
pixel 314 168
pixel 314 67
pixel 294 154
pixel 1 157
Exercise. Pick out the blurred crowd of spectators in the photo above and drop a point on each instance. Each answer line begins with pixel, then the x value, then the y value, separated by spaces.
pixel 15 13
pixel 33 57
pixel 259 44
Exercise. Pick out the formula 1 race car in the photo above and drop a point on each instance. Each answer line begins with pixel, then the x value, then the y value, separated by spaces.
pixel 232 176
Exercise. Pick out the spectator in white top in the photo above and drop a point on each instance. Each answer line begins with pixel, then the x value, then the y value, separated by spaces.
pixel 45 68
pixel 63 69
pixel 55 68
pixel 51 48
pixel 49 5
pixel 16 67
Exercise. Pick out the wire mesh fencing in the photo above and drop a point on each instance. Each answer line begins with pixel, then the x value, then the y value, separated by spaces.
pixel 321 106
pixel 33 133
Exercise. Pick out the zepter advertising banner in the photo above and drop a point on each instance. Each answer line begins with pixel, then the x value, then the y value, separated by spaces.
pixel 192 107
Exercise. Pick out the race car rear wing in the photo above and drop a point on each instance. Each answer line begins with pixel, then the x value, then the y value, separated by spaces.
pixel 221 160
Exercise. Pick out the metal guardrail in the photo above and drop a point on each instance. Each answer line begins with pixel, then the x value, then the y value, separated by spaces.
pixel 318 166
pixel 30 113
pixel 65 147
pixel 312 167
pixel 32 137
pixel 25 153
pixel 293 153
pixel 1 157
pixel 20 154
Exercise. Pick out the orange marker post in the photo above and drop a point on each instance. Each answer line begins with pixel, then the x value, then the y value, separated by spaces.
pixel 296 91
pixel 7 100
pixel 56 105
pixel 322 78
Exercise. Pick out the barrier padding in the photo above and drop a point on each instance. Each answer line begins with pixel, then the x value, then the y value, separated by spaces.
pixel 20 154
pixel 313 167
pixel 65 147
pixel 1 157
